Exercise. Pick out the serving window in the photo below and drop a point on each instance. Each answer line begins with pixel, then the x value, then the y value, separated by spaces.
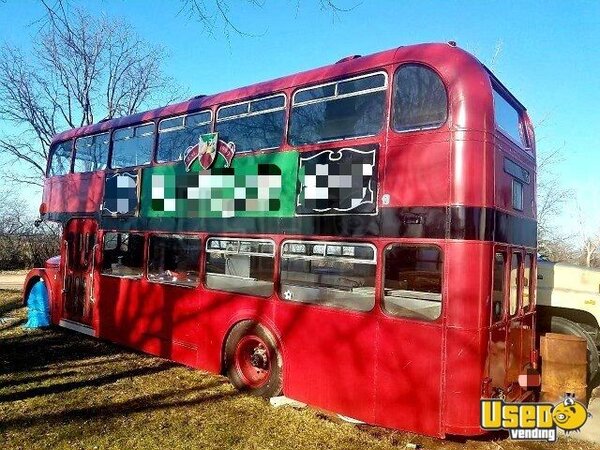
pixel 174 259
pixel 336 274
pixel 244 266
pixel 176 134
pixel 123 254
pixel 338 110
pixel 413 281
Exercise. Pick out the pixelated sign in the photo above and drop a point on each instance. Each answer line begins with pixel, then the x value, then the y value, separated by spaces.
pixel 120 193
pixel 337 181
pixel 252 186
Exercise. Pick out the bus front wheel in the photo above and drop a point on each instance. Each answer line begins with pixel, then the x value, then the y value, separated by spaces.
pixel 252 360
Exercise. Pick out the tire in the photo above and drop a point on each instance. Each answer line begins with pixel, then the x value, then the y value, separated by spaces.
pixel 252 360
pixel 565 326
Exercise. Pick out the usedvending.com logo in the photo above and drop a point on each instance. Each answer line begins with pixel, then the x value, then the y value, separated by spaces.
pixel 533 421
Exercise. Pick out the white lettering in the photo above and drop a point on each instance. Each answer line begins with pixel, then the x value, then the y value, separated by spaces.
pixel 534 434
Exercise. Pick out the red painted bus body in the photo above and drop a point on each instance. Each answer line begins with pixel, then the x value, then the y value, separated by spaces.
pixel 446 188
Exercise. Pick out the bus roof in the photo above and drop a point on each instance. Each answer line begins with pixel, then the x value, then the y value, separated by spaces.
pixel 437 54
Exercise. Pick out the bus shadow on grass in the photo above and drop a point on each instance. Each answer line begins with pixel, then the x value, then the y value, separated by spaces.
pixel 93 382
pixel 147 403
pixel 65 377
pixel 10 307
pixel 31 350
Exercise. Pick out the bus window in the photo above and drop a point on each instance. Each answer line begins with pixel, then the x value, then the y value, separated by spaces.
pixel 517 195
pixel 330 274
pixel 91 153
pixel 515 265
pixel 339 110
pixel 174 259
pixel 253 125
pixel 176 134
pixel 60 162
pixel 132 146
pixel 499 287
pixel 243 266
pixel 123 254
pixel 508 119
pixel 420 100
pixel 413 281
pixel 528 277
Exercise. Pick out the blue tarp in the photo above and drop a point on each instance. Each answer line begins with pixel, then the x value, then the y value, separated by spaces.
pixel 38 313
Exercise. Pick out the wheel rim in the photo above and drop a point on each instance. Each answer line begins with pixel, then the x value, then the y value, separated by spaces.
pixel 253 361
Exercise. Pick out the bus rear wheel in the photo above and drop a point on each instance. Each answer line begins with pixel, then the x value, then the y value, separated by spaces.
pixel 565 326
pixel 252 360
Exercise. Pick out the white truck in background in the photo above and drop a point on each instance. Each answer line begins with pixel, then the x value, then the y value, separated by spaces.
pixel 568 302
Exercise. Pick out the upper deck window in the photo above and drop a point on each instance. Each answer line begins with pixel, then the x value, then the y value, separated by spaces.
pixel 91 153
pixel 253 125
pixel 344 109
pixel 60 158
pixel 508 119
pixel 132 146
pixel 176 134
pixel 420 100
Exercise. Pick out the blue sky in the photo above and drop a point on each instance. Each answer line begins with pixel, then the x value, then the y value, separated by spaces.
pixel 550 53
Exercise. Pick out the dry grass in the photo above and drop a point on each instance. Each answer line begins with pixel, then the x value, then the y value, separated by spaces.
pixel 20 272
pixel 62 390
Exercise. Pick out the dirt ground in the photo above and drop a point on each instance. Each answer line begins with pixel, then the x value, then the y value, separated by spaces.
pixel 59 389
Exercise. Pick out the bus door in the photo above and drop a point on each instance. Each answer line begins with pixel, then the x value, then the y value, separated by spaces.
pixel 79 245
pixel 512 327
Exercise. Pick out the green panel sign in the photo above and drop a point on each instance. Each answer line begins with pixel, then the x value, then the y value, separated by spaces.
pixel 253 186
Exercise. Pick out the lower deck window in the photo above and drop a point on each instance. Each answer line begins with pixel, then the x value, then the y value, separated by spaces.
pixel 242 266
pixel 331 274
pixel 528 280
pixel 123 254
pixel 499 287
pixel 174 259
pixel 413 281
pixel 513 293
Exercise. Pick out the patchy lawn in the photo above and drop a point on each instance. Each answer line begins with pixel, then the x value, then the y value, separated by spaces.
pixel 59 389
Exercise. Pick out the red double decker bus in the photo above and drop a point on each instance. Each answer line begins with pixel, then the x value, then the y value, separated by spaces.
pixel 359 237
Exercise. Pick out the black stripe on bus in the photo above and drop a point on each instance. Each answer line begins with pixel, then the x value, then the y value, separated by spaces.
pixel 451 222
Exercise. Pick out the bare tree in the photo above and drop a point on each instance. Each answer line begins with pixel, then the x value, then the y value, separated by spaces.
pixel 552 199
pixel 590 237
pixel 81 69
pixel 216 15
pixel 552 196
pixel 22 245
